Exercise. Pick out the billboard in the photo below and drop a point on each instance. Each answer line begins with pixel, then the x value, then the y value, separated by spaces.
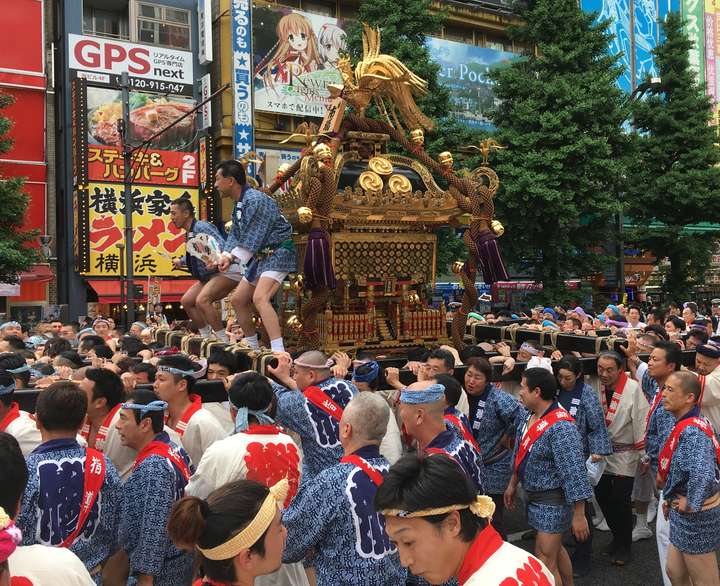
pixel 150 68
pixel 464 69
pixel 694 14
pixel 295 58
pixel 243 139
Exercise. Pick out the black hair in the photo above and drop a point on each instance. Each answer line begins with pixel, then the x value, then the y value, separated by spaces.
pixel 233 169
pixel 15 474
pixel 482 365
pixel 673 354
pixel 658 315
pixel 440 354
pixel 699 334
pixel 103 351
pixel 6 379
pixel 13 360
pixel 145 397
pixel 61 407
pixel 453 388
pixel 132 345
pixel 184 204
pixel 181 362
pixel 106 385
pixel 571 363
pixel 612 355
pixel 223 358
pixel 542 378
pixel 145 367
pixel 415 484
pixel 692 306
pixel 70 324
pixel 657 329
pixel 677 321
pixel 418 354
pixel 251 390
pixel 56 346
pixel 90 341
pixel 195 523
pixel 16 343
pixel 470 352
pixel 74 359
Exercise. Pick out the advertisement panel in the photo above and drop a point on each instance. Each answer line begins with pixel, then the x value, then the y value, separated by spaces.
pixel 156 240
pixel 710 70
pixel 295 57
pixel 694 14
pixel 464 69
pixel 272 159
pixel 645 39
pixel 105 163
pixel 156 69
pixel 241 16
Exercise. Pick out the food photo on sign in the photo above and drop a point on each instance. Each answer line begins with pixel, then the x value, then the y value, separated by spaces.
pixel 295 60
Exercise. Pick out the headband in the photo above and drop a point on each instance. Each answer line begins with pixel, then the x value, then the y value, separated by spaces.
pixel 86 331
pixel 529 349
pixel 8 324
pixel 371 375
pixel 139 323
pixel 6 390
pixel 255 529
pixel 177 371
pixel 241 419
pixel 19 369
pixel 328 363
pixel 10 536
pixel 483 507
pixel 145 409
pixel 432 394
pixel 101 320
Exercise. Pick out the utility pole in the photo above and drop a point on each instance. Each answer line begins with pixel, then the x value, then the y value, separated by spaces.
pixel 127 195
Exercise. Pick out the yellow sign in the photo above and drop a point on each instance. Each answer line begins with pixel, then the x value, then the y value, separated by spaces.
pixel 156 240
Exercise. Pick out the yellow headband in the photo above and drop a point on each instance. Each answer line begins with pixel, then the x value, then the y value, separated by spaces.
pixel 254 531
pixel 483 507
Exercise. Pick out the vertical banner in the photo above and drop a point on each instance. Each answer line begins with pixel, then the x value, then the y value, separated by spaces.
pixel 205 119
pixel 241 17
pixel 710 70
pixel 694 14
pixel 645 39
pixel 205 53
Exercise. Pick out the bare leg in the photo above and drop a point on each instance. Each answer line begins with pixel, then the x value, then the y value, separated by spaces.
pixel 703 569
pixel 216 288
pixel 565 567
pixel 241 301
pixel 188 302
pixel 264 292
pixel 676 569
pixel 547 549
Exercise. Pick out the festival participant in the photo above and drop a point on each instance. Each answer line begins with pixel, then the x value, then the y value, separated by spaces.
pixel 422 411
pixel 689 313
pixel 196 427
pixel 689 476
pixel 17 423
pixel 69 332
pixel 261 240
pixel 101 326
pixel 634 318
pixel 136 328
pixel 73 492
pixel 440 527
pixel 550 465
pixel 695 337
pixel 143 373
pixel 32 564
pixel 158 479
pixel 105 393
pixel 707 365
pixel 237 532
pixel 17 367
pixel 10 328
pixel 453 416
pixel 494 416
pixel 674 327
pixel 332 517
pixel 310 403
pixel 626 411
pixel 211 286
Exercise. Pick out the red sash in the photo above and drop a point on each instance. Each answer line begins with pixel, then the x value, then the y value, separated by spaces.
pixel 158 448
pixel 611 410
pixel 11 416
pixel 93 478
pixel 701 378
pixel 538 428
pixel 102 433
pixel 257 429
pixel 666 455
pixel 484 546
pixel 467 436
pixel 361 463
pixel 320 399
pixel 194 407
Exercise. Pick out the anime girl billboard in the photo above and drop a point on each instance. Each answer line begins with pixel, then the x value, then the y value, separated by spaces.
pixel 295 56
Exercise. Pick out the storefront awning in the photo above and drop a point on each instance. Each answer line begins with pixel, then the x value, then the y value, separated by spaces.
pixel 32 285
pixel 108 290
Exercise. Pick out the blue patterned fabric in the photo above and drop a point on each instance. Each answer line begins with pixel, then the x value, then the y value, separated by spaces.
pixel 317 430
pixel 549 518
pixel 333 517
pixel 463 452
pixel 197 268
pixel 649 386
pixel 51 502
pixel 148 495
pixel 257 222
pixel 694 473
pixel 582 403
pixel 659 427
pixel 494 414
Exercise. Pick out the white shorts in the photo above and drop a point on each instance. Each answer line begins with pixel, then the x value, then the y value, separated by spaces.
pixel 234 272
pixel 278 276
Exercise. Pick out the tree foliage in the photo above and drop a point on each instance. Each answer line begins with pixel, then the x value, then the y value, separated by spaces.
pixel 15 256
pixel 561 118
pixel 674 180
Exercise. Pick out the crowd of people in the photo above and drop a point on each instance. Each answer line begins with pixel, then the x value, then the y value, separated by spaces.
pixel 311 473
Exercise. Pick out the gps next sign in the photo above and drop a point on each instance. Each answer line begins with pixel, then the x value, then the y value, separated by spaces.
pixel 151 68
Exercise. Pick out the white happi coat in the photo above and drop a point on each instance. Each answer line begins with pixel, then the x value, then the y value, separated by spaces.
pixel 42 564
pixel 627 429
pixel 201 432
pixel 24 430
pixel 710 403
pixel 221 412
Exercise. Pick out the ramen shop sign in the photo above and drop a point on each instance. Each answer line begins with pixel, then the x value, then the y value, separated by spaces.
pixel 150 68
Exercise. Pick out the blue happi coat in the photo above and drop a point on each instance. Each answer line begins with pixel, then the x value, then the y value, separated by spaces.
pixel 148 495
pixel 463 452
pixel 695 474
pixel 198 268
pixel 258 225
pixel 51 502
pixel 318 431
pixel 333 517
pixel 583 405
pixel 660 425
pixel 494 414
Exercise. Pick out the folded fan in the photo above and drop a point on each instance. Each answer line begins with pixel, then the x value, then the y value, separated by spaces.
pixel 204 247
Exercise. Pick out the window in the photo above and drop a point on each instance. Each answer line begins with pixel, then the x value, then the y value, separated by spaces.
pixel 105 23
pixel 163 25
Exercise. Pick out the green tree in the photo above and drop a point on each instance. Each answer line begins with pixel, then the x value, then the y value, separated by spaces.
pixel 15 256
pixel 561 118
pixel 674 181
